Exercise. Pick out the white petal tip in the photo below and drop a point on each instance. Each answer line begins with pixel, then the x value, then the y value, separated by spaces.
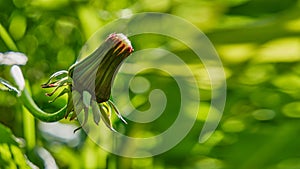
pixel 17 75
pixel 13 58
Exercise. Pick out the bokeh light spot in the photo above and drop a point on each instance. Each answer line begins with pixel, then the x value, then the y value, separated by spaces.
pixel 233 125
pixel 280 50
pixel 236 53
pixel 292 110
pixel 263 114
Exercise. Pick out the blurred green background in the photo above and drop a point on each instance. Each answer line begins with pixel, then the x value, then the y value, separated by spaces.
pixel 258 42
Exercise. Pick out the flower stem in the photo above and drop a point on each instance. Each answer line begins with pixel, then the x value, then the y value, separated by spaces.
pixel 29 128
pixel 37 112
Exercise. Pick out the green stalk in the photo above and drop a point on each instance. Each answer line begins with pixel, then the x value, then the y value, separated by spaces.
pixel 37 112
pixel 7 39
pixel 29 128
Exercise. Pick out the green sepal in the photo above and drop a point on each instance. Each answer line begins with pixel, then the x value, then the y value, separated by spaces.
pixel 105 115
pixel 70 105
pixel 116 111
pixel 96 112
pixel 60 94
pixel 53 76
pixel 86 98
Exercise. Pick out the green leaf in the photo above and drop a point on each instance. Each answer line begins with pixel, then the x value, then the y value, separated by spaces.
pixel 5 85
pixel 6 136
pixel 11 155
